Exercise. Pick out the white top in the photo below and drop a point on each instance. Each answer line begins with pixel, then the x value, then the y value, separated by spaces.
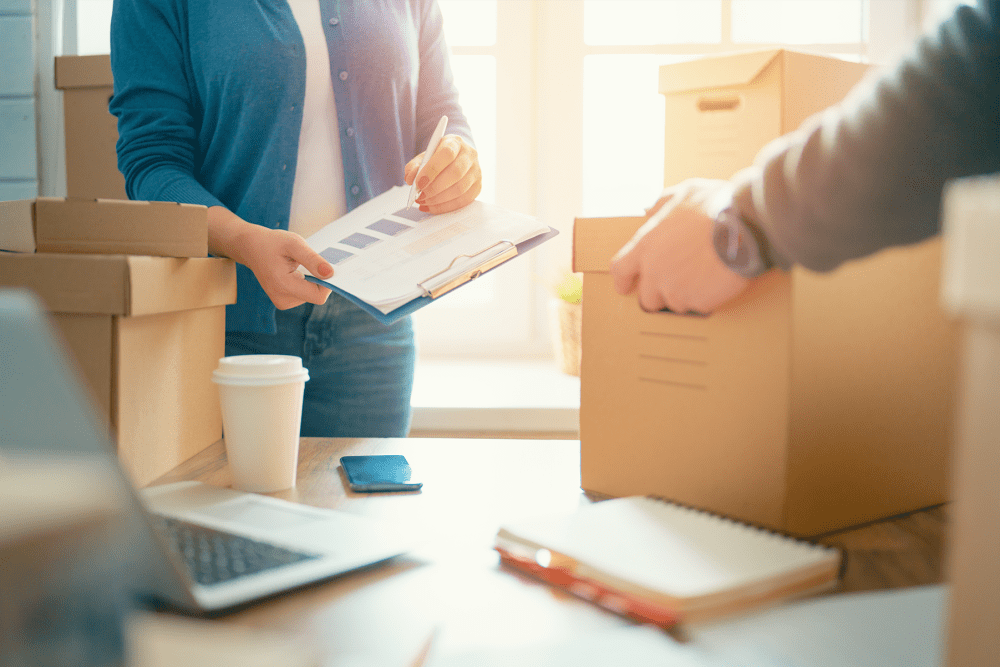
pixel 318 195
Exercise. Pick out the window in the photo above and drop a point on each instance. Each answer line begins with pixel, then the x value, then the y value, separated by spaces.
pixel 578 80
pixel 492 68
pixel 623 161
pixel 562 98
pixel 595 119
pixel 93 21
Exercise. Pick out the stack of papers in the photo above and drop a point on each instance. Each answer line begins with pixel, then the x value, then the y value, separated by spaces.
pixel 386 255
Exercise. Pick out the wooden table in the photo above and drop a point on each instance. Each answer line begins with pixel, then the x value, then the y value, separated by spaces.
pixel 382 614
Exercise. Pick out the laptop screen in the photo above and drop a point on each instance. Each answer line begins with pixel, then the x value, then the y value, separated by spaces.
pixel 43 408
pixel 46 412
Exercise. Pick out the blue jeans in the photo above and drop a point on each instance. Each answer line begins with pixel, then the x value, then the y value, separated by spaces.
pixel 360 370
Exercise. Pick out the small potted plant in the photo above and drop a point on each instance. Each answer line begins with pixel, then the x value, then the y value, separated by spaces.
pixel 567 318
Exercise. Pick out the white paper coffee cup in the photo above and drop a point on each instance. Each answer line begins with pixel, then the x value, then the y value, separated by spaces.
pixel 261 398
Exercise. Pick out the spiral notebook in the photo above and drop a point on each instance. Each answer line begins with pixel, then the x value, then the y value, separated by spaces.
pixel 661 563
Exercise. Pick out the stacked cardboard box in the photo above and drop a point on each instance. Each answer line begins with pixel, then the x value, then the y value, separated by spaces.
pixel 810 403
pixel 146 333
pixel 129 285
pixel 57 224
pixel 91 130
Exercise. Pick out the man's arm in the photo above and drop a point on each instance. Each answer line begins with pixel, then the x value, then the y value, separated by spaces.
pixel 869 173
pixel 857 178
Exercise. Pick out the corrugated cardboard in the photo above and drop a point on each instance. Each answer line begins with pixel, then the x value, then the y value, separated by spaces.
pixel 971 275
pixel 720 111
pixel 808 404
pixel 146 333
pixel 104 226
pixel 91 130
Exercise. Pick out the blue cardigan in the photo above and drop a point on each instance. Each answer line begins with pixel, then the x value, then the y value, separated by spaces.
pixel 209 96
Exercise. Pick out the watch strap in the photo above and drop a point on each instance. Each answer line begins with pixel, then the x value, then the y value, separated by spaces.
pixel 739 244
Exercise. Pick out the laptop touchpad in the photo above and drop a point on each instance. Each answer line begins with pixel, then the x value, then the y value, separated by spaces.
pixel 250 512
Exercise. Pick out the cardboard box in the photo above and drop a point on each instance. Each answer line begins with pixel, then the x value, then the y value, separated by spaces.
pixel 91 130
pixel 720 111
pixel 104 226
pixel 971 274
pixel 812 402
pixel 147 332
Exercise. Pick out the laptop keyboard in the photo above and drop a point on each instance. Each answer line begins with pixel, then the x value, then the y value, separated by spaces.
pixel 213 556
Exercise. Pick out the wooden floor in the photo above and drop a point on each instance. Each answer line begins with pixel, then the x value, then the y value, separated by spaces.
pixel 894 553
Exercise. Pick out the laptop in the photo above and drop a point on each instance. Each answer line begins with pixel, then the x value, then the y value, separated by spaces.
pixel 188 546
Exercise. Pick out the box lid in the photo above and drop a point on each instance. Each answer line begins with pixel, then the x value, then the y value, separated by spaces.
pixel 104 226
pixel 596 240
pixel 83 72
pixel 121 284
pixel 715 71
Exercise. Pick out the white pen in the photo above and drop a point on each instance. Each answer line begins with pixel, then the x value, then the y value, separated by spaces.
pixel 431 147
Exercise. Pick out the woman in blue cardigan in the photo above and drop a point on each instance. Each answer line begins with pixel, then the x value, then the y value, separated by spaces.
pixel 280 116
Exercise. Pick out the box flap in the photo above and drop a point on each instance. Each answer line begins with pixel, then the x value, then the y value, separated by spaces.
pixel 17 225
pixel 83 72
pixel 166 284
pixel 70 283
pixel 121 284
pixel 121 227
pixel 596 240
pixel 715 71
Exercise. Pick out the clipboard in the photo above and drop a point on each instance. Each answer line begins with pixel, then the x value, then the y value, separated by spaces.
pixel 438 291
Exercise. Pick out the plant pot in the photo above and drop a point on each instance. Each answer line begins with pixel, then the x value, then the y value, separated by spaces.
pixel 566 322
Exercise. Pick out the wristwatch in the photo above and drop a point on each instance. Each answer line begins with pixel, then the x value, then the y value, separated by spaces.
pixel 739 244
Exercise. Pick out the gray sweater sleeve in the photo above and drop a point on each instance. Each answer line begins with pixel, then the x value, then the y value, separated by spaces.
pixel 869 172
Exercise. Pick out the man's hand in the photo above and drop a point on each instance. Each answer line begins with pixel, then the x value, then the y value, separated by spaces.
pixel 274 255
pixel 450 180
pixel 671 261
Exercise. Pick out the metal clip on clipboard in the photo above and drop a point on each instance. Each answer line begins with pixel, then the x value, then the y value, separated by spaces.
pixel 472 274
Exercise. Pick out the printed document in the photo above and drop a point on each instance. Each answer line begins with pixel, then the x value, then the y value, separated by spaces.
pixel 388 255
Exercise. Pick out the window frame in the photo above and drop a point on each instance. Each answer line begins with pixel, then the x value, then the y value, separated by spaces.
pixel 547 69
pixel 539 55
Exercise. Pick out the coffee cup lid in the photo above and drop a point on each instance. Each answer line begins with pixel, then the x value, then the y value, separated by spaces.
pixel 260 369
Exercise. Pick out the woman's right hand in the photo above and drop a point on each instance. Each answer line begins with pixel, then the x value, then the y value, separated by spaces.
pixel 274 256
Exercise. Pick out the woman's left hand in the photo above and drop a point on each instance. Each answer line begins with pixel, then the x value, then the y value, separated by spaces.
pixel 450 180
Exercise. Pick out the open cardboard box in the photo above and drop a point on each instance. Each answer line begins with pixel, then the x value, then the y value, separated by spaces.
pixel 811 403
pixel 146 332
pixel 721 110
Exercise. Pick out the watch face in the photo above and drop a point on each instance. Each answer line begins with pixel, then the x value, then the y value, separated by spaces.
pixel 736 245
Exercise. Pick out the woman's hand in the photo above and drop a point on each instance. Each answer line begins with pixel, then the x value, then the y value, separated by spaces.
pixel 274 256
pixel 450 180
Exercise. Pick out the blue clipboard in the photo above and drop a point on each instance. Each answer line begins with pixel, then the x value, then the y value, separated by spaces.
pixel 416 304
